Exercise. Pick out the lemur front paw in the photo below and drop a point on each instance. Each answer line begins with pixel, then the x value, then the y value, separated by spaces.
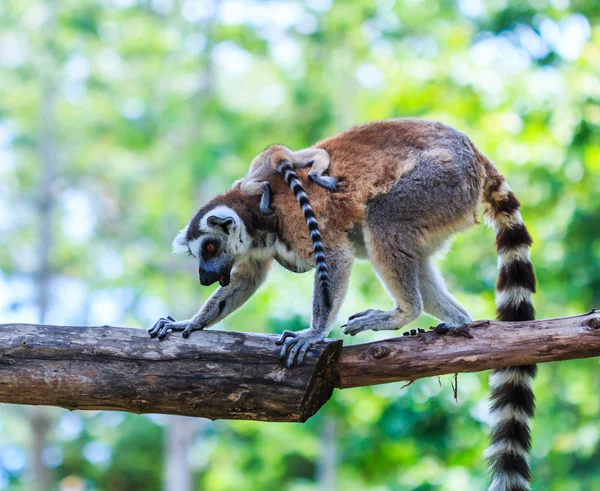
pixel 368 320
pixel 295 345
pixel 164 325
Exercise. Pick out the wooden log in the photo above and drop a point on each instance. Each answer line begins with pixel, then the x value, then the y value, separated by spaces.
pixel 233 375
pixel 484 345
pixel 212 374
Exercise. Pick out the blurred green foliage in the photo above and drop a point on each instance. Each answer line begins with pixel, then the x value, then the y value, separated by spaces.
pixel 157 105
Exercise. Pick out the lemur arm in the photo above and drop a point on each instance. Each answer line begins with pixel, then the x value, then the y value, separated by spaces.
pixel 246 278
pixel 316 157
pixel 296 344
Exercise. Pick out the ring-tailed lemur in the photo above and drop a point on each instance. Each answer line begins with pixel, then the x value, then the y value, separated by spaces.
pixel 264 166
pixel 409 185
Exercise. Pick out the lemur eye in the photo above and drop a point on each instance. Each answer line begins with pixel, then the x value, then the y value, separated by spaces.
pixel 210 247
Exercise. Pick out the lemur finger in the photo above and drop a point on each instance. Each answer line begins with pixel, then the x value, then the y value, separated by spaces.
pixel 302 353
pixel 163 331
pixel 176 326
pixel 284 336
pixel 156 327
pixel 171 318
pixel 361 314
pixel 291 358
pixel 353 329
pixel 286 345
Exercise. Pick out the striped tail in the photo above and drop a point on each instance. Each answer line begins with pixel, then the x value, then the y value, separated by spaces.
pixel 512 400
pixel 291 178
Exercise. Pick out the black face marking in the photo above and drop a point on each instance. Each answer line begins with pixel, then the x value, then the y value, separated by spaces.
pixel 210 248
pixel 224 224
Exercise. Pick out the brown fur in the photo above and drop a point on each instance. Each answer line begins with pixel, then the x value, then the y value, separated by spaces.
pixel 368 161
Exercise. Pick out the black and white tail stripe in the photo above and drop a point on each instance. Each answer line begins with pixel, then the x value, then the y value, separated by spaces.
pixel 291 178
pixel 512 400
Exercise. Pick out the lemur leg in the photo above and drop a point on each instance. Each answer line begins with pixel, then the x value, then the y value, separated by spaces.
pixel 245 280
pixel 259 187
pixel 397 265
pixel 296 344
pixel 252 186
pixel 437 301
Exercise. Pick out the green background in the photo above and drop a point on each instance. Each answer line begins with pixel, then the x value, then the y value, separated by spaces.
pixel 133 113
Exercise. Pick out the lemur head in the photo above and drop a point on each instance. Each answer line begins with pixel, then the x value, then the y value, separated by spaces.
pixel 216 236
pixel 223 232
pixel 270 157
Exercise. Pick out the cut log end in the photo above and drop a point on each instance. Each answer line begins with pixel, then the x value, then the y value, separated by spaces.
pixel 212 374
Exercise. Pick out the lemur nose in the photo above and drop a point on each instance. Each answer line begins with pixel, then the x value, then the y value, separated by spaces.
pixel 203 278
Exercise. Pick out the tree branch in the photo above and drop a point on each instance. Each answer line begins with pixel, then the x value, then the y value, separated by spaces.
pixel 485 345
pixel 232 375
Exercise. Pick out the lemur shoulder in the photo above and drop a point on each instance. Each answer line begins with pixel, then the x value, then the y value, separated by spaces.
pixel 406 187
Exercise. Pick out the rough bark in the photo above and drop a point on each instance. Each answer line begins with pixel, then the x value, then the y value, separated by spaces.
pixel 486 345
pixel 212 374
pixel 231 375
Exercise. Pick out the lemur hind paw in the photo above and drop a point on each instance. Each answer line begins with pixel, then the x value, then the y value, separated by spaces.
pixel 266 200
pixel 329 183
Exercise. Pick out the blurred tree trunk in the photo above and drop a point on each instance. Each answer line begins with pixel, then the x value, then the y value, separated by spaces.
pixel 39 474
pixel 39 417
pixel 327 462
pixel 181 430
pixel 180 437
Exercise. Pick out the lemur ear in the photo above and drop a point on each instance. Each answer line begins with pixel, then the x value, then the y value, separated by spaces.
pixel 180 243
pixel 225 223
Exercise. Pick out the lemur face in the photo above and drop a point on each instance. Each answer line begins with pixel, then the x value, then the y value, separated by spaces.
pixel 216 239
